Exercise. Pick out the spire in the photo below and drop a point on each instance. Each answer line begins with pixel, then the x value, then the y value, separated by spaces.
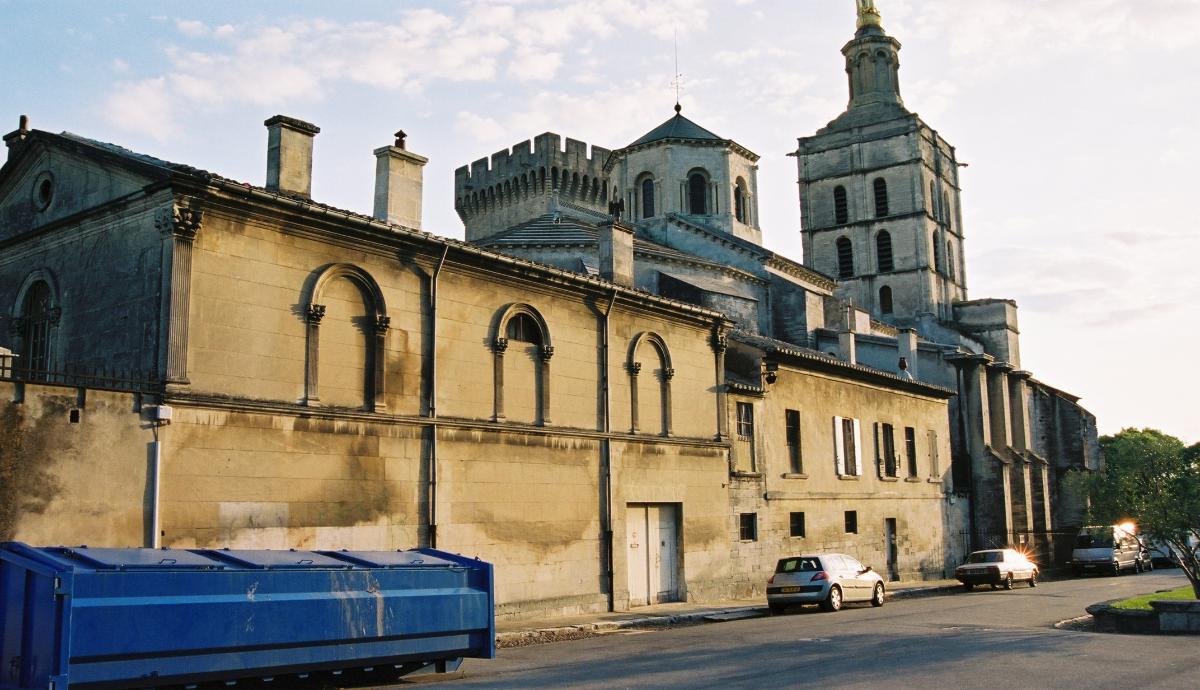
pixel 872 62
pixel 868 15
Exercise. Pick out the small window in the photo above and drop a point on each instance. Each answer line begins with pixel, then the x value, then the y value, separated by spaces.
pixel 946 214
pixel 841 210
pixel 881 197
pixel 697 194
pixel 885 300
pixel 523 328
pixel 796 521
pixel 792 426
pixel 935 471
pixel 883 250
pixel 910 449
pixel 845 258
pixel 745 421
pixel 648 197
pixel 933 200
pixel 748 527
pixel 950 260
pixel 739 201
pixel 851 522
pixel 937 256
pixel 888 448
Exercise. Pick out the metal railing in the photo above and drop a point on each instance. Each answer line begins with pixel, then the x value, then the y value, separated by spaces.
pixel 102 378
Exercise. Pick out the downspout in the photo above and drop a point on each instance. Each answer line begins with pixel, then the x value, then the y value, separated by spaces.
pixel 431 499
pixel 606 458
pixel 156 490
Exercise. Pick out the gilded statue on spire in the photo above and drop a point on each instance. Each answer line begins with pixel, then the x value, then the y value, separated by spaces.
pixel 867 14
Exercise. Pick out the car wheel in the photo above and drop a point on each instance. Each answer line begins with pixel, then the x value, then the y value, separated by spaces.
pixel 1033 579
pixel 968 587
pixel 833 602
pixel 776 609
pixel 1008 581
pixel 877 598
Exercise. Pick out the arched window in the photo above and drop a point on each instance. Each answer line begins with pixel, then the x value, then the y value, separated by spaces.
pixel 845 257
pixel 937 255
pixel 647 191
pixel 881 197
pixel 885 300
pixel 950 260
pixel 841 210
pixel 883 249
pixel 697 194
pixel 946 214
pixel 521 358
pixel 38 317
pixel 933 200
pixel 347 325
pixel 740 199
pixel 650 385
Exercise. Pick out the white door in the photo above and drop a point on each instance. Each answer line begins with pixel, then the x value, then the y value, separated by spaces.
pixel 635 529
pixel 665 566
pixel 653 548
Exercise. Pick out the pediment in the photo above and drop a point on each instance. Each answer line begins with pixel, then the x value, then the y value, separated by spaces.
pixel 48 182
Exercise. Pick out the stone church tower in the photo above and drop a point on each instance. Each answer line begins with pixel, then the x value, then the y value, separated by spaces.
pixel 879 194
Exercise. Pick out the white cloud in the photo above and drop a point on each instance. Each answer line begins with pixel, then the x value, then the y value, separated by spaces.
pixel 192 28
pixel 120 66
pixel 530 64
pixel 143 107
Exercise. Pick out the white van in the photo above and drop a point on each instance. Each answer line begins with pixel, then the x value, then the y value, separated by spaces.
pixel 1108 549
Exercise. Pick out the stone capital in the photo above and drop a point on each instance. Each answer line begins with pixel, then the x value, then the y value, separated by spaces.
pixel 635 368
pixel 500 345
pixel 181 222
pixel 314 313
pixel 547 352
pixel 382 324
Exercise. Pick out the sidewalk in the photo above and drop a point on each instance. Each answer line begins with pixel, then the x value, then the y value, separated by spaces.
pixel 541 630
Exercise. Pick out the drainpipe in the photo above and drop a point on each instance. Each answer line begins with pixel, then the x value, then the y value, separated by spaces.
pixel 155 490
pixel 432 411
pixel 606 458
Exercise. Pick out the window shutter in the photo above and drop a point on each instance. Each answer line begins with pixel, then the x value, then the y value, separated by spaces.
pixel 858 446
pixel 839 458
pixel 879 462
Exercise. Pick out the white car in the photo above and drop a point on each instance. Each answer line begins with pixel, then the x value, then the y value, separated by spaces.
pixel 996 567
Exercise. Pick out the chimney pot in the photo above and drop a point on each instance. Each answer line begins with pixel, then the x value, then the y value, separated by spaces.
pixel 289 155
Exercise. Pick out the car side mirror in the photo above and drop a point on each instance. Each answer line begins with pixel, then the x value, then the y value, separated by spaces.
pixel 866 569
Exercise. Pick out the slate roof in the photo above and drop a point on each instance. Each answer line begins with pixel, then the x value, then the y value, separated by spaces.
pixel 678 127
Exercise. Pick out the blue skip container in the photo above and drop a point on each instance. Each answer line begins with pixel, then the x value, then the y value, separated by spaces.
pixel 136 618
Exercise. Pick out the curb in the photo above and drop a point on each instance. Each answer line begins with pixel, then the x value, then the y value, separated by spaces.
pixel 738 613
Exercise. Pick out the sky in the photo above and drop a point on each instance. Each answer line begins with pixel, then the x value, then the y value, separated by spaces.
pixel 1077 119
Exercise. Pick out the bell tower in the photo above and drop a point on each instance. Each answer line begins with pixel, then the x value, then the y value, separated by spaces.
pixel 879 193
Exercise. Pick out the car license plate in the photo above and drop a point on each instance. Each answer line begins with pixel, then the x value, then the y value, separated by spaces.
pixel 789 590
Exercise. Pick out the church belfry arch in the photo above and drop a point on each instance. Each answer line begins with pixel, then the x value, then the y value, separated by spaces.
pixel 378 323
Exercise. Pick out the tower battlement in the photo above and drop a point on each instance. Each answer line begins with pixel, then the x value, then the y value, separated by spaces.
pixel 517 184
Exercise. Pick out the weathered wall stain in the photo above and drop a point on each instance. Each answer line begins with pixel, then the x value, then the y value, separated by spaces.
pixel 25 485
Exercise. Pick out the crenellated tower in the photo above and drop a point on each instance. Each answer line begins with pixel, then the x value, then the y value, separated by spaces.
pixel 529 181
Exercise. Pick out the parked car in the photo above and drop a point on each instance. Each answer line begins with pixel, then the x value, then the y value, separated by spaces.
pixel 996 567
pixel 826 579
pixel 1165 555
pixel 1109 550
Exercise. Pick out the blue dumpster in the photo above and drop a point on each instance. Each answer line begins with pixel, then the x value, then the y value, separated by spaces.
pixel 134 618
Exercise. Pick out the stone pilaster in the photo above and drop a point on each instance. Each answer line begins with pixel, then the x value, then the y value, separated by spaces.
pixel 179 225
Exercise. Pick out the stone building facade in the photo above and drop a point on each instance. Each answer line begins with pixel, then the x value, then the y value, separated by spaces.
pixel 616 407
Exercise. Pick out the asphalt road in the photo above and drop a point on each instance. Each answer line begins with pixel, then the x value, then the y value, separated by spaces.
pixel 985 639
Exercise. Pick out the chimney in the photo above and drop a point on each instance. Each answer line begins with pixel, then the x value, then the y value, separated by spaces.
pixel 846 338
pixel 616 252
pixel 399 179
pixel 906 344
pixel 289 155
pixel 16 139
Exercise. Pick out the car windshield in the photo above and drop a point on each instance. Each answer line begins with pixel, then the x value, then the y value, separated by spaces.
pixel 798 565
pixel 1094 540
pixel 986 557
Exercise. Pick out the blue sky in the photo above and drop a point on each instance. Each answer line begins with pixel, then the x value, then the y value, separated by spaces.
pixel 1078 121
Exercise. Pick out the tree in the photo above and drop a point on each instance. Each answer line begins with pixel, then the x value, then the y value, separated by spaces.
pixel 1152 479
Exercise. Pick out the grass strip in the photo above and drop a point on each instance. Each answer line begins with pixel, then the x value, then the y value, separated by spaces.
pixel 1143 602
